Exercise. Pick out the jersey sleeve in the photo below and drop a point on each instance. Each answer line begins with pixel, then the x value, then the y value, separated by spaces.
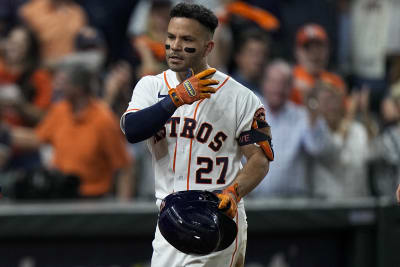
pixel 144 95
pixel 247 110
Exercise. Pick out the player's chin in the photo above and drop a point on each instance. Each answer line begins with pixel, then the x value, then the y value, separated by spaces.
pixel 178 68
pixel 177 65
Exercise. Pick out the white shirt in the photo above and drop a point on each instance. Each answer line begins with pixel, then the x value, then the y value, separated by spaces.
pixel 343 173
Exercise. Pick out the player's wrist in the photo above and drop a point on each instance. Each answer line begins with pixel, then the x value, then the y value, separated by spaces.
pixel 173 94
pixel 233 190
pixel 168 105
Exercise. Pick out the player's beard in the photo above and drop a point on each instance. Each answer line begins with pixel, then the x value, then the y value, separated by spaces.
pixel 187 62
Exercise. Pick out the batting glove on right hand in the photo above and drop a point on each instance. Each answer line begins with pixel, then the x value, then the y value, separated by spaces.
pixel 228 200
pixel 194 88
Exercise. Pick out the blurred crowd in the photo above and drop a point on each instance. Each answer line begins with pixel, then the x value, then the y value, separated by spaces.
pixel 328 73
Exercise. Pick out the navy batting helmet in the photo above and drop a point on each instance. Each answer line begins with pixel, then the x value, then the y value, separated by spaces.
pixel 192 223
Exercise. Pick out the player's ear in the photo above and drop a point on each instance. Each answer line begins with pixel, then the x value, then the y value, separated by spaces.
pixel 209 48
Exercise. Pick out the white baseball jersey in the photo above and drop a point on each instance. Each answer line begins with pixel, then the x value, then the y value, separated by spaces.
pixel 198 147
pixel 198 150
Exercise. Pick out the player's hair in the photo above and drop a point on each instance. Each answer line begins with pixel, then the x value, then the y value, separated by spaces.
pixel 197 12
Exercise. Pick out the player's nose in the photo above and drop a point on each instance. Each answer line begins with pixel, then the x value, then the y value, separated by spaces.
pixel 176 45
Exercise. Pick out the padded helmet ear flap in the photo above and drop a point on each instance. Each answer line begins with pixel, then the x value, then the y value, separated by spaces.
pixel 192 223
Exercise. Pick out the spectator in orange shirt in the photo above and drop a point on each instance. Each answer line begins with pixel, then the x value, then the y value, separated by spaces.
pixel 85 137
pixel 57 23
pixel 312 56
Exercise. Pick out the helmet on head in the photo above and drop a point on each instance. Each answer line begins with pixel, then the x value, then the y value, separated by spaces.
pixel 192 223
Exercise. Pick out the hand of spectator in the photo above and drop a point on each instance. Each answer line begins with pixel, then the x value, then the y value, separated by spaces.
pixel 364 99
pixel 358 101
pixel 398 194
pixel 313 106
pixel 117 79
pixel 149 63
pixel 10 95
pixel 344 127
pixel 353 104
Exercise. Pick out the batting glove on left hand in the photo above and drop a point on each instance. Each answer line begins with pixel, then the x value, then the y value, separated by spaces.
pixel 194 88
pixel 228 200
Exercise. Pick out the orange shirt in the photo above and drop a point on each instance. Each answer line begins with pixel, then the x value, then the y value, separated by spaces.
pixel 56 28
pixel 304 82
pixel 89 145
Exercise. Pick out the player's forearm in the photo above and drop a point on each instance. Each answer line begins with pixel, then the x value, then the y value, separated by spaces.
pixel 253 173
pixel 145 123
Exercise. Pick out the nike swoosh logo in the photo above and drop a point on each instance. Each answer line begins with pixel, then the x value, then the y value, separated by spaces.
pixel 160 95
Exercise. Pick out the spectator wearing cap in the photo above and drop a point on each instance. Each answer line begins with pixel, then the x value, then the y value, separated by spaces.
pixel 312 56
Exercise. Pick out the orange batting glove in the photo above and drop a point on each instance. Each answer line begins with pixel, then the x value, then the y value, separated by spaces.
pixel 194 88
pixel 228 200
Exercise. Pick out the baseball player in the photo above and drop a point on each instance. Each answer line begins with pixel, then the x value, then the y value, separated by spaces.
pixel 198 124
